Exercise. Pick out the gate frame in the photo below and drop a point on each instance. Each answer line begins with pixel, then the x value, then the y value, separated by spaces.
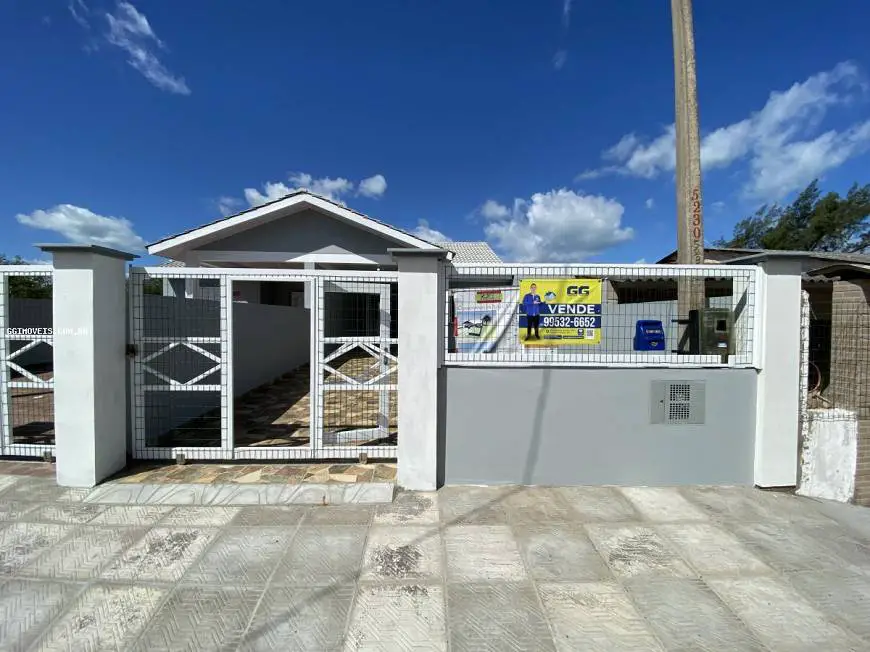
pixel 8 447
pixel 314 280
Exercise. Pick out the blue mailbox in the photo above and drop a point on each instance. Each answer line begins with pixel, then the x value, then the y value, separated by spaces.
pixel 649 335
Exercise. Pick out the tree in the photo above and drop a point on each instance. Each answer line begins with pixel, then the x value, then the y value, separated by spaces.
pixel 26 287
pixel 812 222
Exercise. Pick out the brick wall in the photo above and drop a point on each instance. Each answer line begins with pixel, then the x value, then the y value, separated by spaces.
pixel 850 368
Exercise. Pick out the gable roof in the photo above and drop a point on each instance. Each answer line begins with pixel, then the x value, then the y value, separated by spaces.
pixel 268 211
pixel 735 256
pixel 471 252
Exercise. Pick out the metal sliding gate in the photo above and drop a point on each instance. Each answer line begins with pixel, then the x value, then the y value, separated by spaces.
pixel 26 361
pixel 263 364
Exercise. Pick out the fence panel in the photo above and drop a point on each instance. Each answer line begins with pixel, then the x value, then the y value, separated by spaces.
pixel 26 361
pixel 600 315
pixel 263 364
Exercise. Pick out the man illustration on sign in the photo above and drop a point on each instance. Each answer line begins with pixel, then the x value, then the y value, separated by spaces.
pixel 532 308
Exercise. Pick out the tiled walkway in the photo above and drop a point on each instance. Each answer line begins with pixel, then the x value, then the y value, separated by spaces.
pixel 466 569
pixel 196 473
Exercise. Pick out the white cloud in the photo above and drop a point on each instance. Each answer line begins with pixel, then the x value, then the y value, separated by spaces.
pixel 81 225
pixel 558 226
pixel 566 12
pixel 131 31
pixel 331 188
pixel 271 192
pixel 492 210
pixel 650 203
pixel 373 186
pixel 228 205
pixel 429 234
pixel 559 59
pixel 718 206
pixel 79 10
pixel 777 140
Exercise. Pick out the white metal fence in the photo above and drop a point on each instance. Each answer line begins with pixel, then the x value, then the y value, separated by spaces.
pixel 600 315
pixel 26 361
pixel 263 364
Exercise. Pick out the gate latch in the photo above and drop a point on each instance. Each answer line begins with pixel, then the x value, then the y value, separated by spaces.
pixel 131 351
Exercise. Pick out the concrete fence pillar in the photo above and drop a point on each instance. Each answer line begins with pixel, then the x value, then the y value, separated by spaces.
pixel 421 353
pixel 90 365
pixel 778 406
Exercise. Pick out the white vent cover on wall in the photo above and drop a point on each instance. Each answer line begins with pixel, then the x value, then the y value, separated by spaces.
pixel 677 402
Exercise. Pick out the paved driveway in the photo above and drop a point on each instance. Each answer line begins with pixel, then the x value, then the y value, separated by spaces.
pixel 466 569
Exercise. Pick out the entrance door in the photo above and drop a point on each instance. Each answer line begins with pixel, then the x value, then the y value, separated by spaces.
pixel 356 371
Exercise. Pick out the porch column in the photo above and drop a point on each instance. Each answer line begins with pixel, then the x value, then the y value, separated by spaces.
pixel 90 364
pixel 421 352
pixel 778 391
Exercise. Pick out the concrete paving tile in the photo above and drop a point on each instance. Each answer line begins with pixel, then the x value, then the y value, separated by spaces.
pixel 663 504
pixel 732 503
pixel 200 516
pixel 105 617
pixel 27 607
pixel 163 555
pixel 299 619
pixel 853 517
pixel 595 616
pixel 637 550
pixel 496 617
pixel 780 617
pixel 710 550
pixel 73 495
pixel 852 548
pixel 241 557
pixel 409 508
pixel 531 505
pixel 479 553
pixel 322 554
pixel 83 554
pixel 784 547
pixel 340 515
pixel 21 543
pixel 135 515
pixel 14 510
pixel 268 516
pixel 200 618
pixel 598 504
pixel 73 513
pixel 397 617
pixel 403 553
pixel 33 490
pixel 792 509
pixel 842 596
pixel 685 614
pixel 473 505
pixel 560 553
pixel 6 481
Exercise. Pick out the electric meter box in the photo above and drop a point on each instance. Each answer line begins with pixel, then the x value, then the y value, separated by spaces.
pixel 649 335
pixel 716 331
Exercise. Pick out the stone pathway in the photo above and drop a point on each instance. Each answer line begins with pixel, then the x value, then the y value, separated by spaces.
pixel 467 568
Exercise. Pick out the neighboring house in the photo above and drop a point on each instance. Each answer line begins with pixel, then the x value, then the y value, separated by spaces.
pixel 838 287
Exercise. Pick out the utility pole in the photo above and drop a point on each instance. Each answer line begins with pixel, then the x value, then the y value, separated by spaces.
pixel 690 218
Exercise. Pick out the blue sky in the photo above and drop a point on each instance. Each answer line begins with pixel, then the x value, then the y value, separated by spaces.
pixel 540 126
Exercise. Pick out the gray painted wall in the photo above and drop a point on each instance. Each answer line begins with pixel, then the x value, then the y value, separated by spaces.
pixel 305 231
pixel 592 426
pixel 268 341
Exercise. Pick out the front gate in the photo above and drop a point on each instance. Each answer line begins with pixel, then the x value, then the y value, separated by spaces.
pixel 26 361
pixel 199 340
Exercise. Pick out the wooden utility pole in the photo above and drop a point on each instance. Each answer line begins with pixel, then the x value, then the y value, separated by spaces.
pixel 690 218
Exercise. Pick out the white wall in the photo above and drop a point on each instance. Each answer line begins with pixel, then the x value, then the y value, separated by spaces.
pixel 778 412
pixel 268 341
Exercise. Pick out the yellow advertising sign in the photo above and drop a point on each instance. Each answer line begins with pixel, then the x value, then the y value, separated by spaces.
pixel 557 312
